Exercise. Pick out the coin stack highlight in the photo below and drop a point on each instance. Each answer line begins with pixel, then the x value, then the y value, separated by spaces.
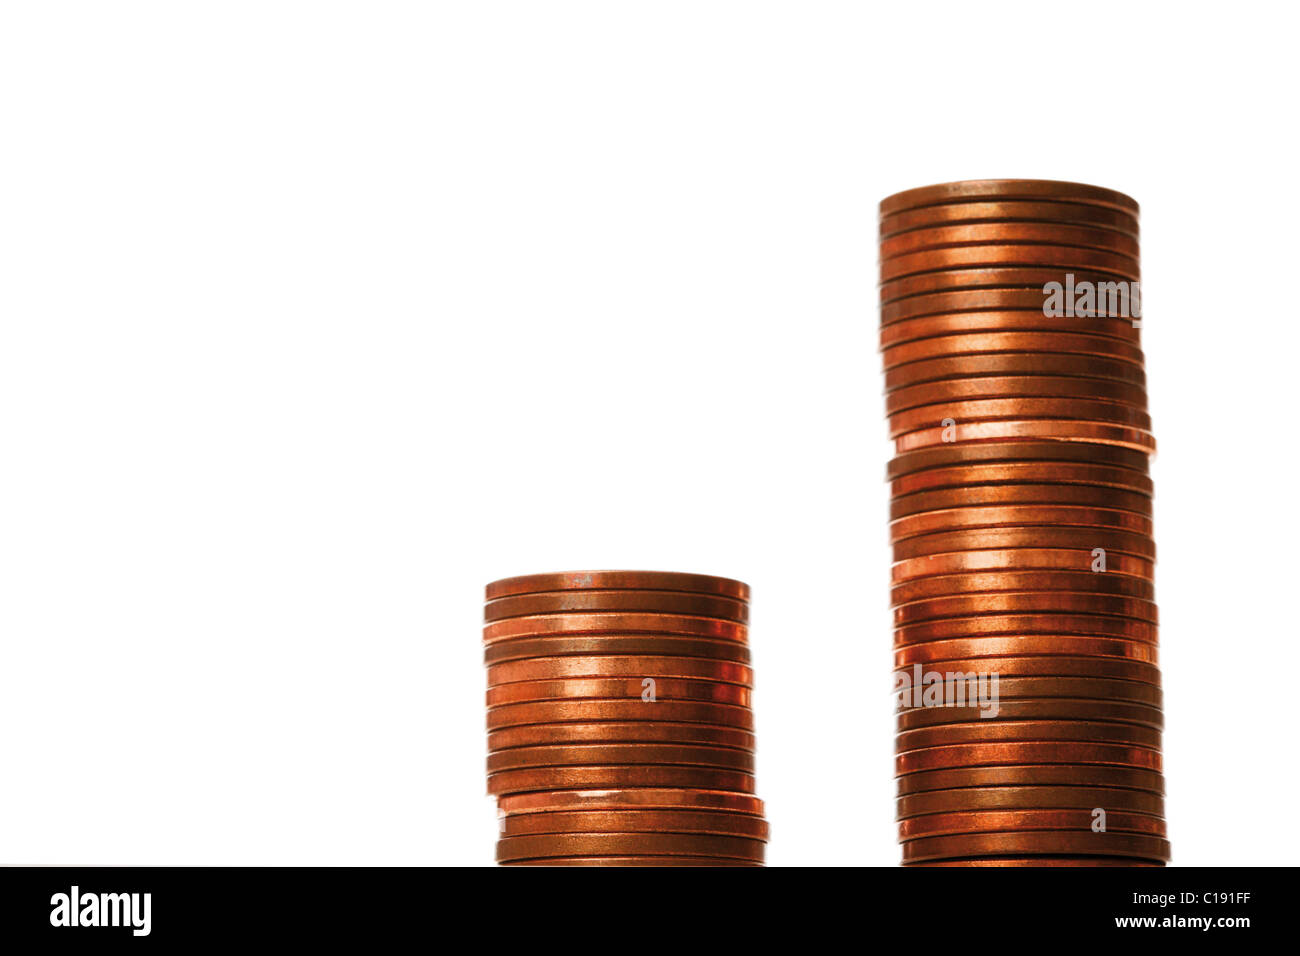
pixel 619 723
pixel 1029 727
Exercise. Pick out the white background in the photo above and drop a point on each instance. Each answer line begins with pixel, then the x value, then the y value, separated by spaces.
pixel 317 317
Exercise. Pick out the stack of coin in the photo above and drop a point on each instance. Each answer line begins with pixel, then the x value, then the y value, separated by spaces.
pixel 619 723
pixel 1025 642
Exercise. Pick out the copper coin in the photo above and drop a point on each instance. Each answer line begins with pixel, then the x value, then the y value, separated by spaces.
pixel 1026 798
pixel 1001 190
pixel 1019 559
pixel 1048 843
pixel 1036 731
pixel 1006 292
pixel 1034 255
pixel 975 343
pixel 620 731
pixel 635 844
pixel 1024 602
pixel 1085 539
pixel 591 711
pixel 1007 276
pixel 1047 708
pixel 1014 662
pixel 669 602
pixel 638 666
pixel 1013 386
pixel 1065 775
pixel 608 755
pixel 925 327
pixel 995 821
pixel 637 821
pixel 618 777
pixel 1005 495
pixel 649 691
pixel 1018 409
pixel 1026 483
pixel 957 519
pixel 606 580
pixel 1106 433
pixel 1041 861
pixel 1010 754
pixel 953 456
pixel 992 581
pixel 1029 645
pixel 990 364
pixel 642 798
pixel 1082 688
pixel 987 625
pixel 616 644
pixel 585 625
pixel 1015 210
pixel 673 861
pixel 1007 233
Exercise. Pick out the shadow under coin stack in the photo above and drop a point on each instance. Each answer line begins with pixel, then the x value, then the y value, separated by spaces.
pixel 619 723
pixel 1025 623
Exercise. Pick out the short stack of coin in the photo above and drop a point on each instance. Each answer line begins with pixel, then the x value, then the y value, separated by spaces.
pixel 619 724
pixel 1021 527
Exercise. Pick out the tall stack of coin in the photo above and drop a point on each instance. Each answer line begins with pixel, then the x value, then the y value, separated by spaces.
pixel 619 723
pixel 1025 642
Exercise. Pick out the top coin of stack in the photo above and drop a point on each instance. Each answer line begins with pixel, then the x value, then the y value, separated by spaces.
pixel 1021 525
pixel 619 723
